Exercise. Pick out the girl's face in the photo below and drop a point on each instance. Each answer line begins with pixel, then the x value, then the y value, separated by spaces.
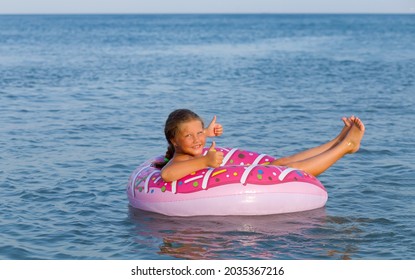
pixel 190 139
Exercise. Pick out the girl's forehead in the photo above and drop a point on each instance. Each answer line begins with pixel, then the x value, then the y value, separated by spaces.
pixel 191 125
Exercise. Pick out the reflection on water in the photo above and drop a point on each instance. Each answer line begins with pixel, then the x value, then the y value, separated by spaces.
pixel 229 237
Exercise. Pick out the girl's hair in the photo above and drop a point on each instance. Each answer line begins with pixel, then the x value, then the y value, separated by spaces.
pixel 174 120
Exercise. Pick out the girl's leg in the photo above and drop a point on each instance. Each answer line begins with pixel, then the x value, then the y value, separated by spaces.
pixel 317 150
pixel 321 162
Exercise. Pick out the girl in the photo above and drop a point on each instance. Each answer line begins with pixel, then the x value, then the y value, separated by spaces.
pixel 186 137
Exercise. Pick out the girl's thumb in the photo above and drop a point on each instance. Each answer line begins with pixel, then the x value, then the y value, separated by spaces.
pixel 212 147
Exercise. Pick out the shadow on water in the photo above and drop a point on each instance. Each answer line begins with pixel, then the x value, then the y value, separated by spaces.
pixel 229 237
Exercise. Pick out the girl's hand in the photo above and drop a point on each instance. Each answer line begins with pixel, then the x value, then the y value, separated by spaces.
pixel 214 129
pixel 213 158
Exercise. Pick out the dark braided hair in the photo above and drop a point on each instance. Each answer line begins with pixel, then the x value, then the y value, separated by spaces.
pixel 171 127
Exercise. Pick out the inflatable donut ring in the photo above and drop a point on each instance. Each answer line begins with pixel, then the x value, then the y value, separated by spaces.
pixel 245 184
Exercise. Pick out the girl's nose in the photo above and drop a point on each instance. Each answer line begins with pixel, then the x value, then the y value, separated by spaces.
pixel 196 138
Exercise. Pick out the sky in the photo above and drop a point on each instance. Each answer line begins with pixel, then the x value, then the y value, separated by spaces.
pixel 204 6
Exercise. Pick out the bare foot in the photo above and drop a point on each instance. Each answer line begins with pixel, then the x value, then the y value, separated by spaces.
pixel 355 135
pixel 347 125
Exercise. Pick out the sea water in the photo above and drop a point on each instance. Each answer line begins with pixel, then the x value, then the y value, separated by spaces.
pixel 83 100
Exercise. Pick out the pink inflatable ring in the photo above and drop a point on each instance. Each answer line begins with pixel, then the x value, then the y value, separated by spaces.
pixel 245 184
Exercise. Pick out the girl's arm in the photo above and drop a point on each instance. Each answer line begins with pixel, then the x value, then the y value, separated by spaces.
pixel 177 168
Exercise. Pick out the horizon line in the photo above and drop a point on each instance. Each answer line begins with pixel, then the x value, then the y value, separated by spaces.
pixel 213 13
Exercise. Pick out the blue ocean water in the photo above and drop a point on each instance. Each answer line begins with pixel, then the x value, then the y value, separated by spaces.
pixel 83 100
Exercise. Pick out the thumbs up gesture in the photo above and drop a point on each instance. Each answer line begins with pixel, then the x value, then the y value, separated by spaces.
pixel 213 157
pixel 214 128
